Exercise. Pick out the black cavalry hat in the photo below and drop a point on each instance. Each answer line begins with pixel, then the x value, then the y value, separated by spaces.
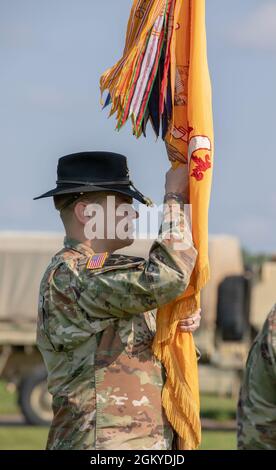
pixel 94 171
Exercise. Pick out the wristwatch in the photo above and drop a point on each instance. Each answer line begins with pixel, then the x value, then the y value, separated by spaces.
pixel 180 198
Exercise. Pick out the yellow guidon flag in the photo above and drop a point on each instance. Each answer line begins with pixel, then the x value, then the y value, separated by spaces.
pixel 163 77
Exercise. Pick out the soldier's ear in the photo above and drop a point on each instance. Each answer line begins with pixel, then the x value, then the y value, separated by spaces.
pixel 79 211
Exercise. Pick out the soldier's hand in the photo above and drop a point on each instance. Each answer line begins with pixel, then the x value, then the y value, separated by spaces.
pixel 177 181
pixel 190 324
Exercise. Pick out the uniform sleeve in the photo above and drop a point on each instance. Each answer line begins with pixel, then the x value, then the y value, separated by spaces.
pixel 257 403
pixel 153 282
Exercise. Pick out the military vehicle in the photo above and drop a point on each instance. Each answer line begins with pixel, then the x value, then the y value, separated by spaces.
pixel 234 306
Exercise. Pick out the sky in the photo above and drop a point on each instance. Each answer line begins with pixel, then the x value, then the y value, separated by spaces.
pixel 52 55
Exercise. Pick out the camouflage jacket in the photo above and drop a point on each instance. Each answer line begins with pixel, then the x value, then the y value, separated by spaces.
pixel 257 403
pixel 95 329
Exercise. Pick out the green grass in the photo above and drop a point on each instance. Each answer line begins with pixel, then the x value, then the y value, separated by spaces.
pixel 218 440
pixel 218 408
pixel 8 401
pixel 34 437
pixel 23 437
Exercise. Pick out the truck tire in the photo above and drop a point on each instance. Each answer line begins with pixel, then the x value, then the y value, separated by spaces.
pixel 34 399
pixel 232 308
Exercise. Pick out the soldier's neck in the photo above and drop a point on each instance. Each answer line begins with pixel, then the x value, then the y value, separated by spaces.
pixel 98 246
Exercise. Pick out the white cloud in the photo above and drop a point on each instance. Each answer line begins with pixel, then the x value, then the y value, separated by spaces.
pixel 258 30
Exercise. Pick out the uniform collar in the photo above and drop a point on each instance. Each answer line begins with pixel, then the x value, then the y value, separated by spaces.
pixel 78 246
pixel 113 261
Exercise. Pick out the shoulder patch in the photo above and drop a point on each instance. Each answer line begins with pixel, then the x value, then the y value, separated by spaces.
pixel 112 262
pixel 97 260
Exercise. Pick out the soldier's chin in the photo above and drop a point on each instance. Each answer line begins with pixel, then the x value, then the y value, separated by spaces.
pixel 121 243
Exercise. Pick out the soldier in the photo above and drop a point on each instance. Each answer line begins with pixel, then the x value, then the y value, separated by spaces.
pixel 257 403
pixel 96 318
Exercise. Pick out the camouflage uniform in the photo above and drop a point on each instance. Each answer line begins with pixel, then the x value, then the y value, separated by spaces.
pixel 95 329
pixel 257 404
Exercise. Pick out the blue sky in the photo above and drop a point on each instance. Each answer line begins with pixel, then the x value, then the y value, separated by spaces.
pixel 52 54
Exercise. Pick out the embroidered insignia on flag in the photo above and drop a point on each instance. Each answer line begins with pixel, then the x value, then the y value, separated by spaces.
pixel 97 260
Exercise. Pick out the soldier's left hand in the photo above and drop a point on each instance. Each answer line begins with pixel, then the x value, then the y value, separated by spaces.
pixel 190 324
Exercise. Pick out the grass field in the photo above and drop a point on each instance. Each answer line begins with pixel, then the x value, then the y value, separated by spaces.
pixel 34 438
pixel 8 401
pixel 218 408
pixel 21 437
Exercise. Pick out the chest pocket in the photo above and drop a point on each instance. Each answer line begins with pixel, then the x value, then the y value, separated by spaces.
pixel 137 332
pixel 43 335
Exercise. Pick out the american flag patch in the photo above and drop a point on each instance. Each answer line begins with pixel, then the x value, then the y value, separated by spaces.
pixel 97 260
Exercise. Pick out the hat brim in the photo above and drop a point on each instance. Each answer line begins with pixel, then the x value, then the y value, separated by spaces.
pixel 122 189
